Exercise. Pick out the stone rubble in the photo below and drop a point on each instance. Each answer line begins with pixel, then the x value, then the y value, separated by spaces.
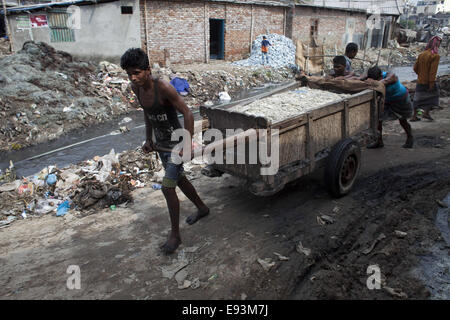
pixel 281 53
pixel 288 104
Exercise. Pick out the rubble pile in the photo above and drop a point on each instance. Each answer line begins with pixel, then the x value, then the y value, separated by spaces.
pixel 4 47
pixel 444 83
pixel 288 104
pixel 281 53
pixel 394 56
pixel 205 86
pixel 82 189
pixel 45 93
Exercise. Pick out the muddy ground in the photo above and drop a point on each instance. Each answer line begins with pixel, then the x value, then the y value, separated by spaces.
pixel 119 257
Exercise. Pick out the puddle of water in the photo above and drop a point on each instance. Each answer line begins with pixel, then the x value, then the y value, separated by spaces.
pixel 435 267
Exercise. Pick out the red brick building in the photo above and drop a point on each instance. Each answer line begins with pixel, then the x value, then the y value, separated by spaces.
pixel 198 30
pixel 329 25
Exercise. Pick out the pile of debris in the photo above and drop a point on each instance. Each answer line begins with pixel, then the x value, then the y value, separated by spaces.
pixel 444 83
pixel 205 86
pixel 281 53
pixel 393 56
pixel 289 104
pixel 83 188
pixel 4 47
pixel 45 93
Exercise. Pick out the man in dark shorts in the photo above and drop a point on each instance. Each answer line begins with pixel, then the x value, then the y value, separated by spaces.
pixel 397 105
pixel 160 102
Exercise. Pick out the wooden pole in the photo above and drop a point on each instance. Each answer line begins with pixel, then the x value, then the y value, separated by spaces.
pixel 251 28
pixel 365 47
pixel 8 29
pixel 146 29
pixel 378 59
pixel 205 22
pixel 307 61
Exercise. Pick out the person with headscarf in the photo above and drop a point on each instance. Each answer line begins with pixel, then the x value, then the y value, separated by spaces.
pixel 427 90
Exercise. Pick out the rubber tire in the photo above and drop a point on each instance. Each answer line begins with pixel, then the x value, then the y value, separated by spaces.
pixel 341 151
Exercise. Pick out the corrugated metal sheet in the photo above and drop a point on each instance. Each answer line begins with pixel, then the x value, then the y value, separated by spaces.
pixel 387 7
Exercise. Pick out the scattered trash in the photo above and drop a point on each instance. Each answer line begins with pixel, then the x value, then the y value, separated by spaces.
pixel 301 249
pixel 213 277
pixel 320 221
pixel 11 186
pixel 327 219
pixel 400 234
pixel 280 257
pixel 24 214
pixel 63 208
pixel 44 206
pixel 441 204
pixel 170 271
pixel 51 179
pixel 224 96
pixel 191 249
pixel 396 292
pixel 180 277
pixel 181 85
pixel 25 188
pixel 186 284
pixel 267 263
pixel 336 209
pixel 156 186
pixel 374 243
pixel 195 283
pixel 7 222
pixel 243 296
pixel 125 120
pixel 112 207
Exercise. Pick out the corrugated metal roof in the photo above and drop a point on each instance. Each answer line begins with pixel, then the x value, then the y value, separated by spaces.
pixel 385 7
pixel 51 4
pixel 275 3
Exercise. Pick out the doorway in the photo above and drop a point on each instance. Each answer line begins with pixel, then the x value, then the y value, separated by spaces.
pixel 217 38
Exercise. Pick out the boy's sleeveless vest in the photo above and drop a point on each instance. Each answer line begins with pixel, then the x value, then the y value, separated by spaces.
pixel 164 121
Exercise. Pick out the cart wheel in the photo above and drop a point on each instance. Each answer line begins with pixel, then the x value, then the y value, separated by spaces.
pixel 342 167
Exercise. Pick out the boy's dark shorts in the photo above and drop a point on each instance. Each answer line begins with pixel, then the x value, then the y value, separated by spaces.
pixel 173 171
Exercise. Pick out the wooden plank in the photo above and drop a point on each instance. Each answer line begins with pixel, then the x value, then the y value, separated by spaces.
pixel 286 87
pixel 329 109
pixel 374 114
pixel 291 123
pixel 310 142
pixel 359 118
pixel 328 131
pixel 225 119
pixel 345 121
pixel 293 145
pixel 361 97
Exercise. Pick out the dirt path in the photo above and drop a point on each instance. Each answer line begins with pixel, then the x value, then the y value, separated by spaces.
pixel 118 251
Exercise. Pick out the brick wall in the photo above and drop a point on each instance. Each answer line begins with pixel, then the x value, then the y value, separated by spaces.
pixel 182 28
pixel 332 26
